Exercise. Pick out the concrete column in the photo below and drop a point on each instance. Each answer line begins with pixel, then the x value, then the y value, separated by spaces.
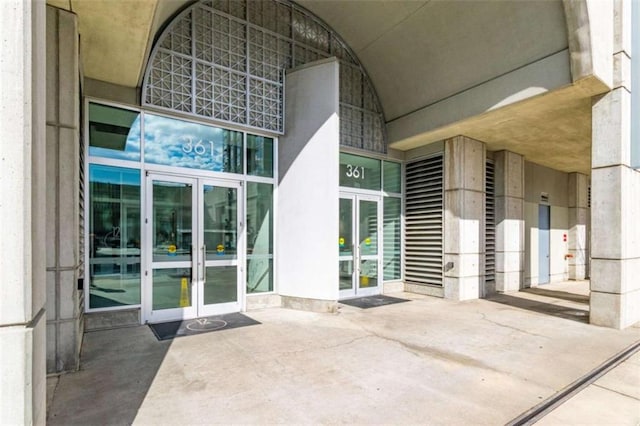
pixel 64 325
pixel 615 204
pixel 464 199
pixel 509 205
pixel 308 196
pixel 22 157
pixel 578 224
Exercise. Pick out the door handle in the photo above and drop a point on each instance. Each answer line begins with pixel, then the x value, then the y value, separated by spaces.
pixel 204 263
pixel 194 265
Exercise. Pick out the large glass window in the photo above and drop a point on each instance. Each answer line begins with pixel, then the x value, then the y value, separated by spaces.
pixel 259 156
pixel 180 143
pixel 391 238
pixel 359 172
pixel 114 229
pixel 259 237
pixel 114 132
pixel 392 174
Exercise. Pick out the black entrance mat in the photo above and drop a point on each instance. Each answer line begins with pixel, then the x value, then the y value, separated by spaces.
pixel 373 301
pixel 169 330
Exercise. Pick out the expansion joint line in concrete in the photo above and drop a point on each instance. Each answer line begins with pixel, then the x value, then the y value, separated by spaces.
pixel 615 258
pixel 62 125
pixel 29 324
pixel 477 191
pixel 615 391
pixel 610 166
pixel 536 413
pixel 63 268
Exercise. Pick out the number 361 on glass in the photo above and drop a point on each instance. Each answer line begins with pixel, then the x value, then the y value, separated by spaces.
pixel 356 172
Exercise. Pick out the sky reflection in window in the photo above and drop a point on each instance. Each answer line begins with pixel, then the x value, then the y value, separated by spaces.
pixel 180 143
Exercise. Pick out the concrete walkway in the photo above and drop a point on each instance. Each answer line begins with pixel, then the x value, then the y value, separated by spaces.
pixel 426 361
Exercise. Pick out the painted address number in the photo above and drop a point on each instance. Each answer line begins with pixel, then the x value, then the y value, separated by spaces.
pixel 356 172
pixel 199 147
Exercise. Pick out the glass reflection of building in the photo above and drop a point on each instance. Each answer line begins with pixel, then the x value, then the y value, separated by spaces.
pixel 114 226
pixel 122 145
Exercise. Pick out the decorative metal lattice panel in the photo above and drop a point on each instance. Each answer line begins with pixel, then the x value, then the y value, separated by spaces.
pixel 225 60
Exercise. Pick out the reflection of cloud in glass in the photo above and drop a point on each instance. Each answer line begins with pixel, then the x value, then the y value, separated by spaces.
pixel 184 144
pixel 114 175
pixel 132 146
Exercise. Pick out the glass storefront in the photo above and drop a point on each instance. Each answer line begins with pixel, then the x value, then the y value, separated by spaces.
pixel 178 143
pixel 124 145
pixel 114 236
pixel 392 208
pixel 259 237
pixel 194 167
pixel 359 172
pixel 114 132
pixel 380 181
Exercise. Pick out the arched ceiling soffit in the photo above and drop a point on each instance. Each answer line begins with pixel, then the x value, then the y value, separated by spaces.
pixel 420 52
pixel 415 52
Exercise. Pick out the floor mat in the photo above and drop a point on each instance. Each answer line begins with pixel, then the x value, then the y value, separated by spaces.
pixel 169 330
pixel 373 301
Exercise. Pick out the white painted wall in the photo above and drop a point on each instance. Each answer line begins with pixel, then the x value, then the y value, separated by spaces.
pixel 307 198
pixel 540 179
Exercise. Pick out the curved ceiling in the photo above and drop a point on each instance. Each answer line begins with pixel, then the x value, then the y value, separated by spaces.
pixel 417 53
pixel 442 47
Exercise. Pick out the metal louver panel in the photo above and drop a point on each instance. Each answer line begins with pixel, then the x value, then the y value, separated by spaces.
pixel 424 221
pixel 490 225
pixel 81 202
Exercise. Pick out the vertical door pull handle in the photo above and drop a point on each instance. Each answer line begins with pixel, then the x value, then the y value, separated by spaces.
pixel 194 265
pixel 204 263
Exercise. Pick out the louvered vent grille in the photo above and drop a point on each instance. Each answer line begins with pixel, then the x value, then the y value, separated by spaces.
pixel 490 226
pixel 424 221
pixel 81 210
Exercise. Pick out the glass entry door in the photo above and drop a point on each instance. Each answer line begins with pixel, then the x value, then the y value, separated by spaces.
pixel 193 239
pixel 359 245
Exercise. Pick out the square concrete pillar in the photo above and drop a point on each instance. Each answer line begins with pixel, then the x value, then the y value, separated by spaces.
pixel 63 260
pixel 464 199
pixel 615 208
pixel 509 206
pixel 578 225
pixel 22 207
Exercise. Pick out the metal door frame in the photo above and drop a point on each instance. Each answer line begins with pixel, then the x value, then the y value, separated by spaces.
pixel 198 262
pixel 356 290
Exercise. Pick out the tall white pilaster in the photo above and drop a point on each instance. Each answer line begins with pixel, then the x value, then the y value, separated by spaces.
pixel 22 158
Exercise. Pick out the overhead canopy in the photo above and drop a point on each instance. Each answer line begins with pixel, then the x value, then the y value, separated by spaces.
pixel 440 68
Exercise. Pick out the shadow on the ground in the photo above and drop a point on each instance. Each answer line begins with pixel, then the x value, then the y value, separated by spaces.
pixel 564 295
pixel 552 309
pixel 120 371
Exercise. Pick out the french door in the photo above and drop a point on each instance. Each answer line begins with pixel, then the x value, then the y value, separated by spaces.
pixel 359 245
pixel 194 245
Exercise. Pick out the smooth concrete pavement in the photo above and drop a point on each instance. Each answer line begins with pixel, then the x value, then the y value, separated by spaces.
pixel 427 361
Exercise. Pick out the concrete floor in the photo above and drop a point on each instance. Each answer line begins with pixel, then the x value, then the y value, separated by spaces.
pixel 425 361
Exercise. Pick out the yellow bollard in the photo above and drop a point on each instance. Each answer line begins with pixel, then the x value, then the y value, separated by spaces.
pixel 184 293
pixel 364 281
